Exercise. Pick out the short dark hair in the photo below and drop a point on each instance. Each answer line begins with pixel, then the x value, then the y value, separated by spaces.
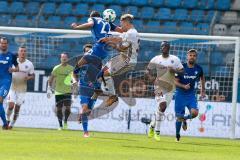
pixel 192 50
pixel 95 14
pixel 3 38
pixel 88 45
pixel 22 47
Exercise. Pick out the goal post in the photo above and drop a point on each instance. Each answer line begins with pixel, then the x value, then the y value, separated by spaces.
pixel 44 44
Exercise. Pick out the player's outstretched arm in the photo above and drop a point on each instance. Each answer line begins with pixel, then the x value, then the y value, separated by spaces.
pixel 87 25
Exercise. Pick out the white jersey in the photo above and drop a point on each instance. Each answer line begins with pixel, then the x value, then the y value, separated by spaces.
pixel 19 83
pixel 131 37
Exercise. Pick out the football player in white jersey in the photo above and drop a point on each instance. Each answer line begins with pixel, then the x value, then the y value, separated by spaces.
pixel 18 88
pixel 128 46
pixel 165 65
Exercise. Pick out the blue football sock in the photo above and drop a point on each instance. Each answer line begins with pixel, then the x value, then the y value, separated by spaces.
pixel 85 122
pixel 178 127
pixel 2 114
pixel 188 117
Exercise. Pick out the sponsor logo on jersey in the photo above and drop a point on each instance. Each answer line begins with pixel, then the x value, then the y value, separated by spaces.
pixel 189 77
pixel 3 62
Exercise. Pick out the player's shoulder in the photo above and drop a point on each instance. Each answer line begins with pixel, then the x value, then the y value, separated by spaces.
pixel 70 67
pixel 197 66
pixel 158 57
pixel 174 57
pixel 57 66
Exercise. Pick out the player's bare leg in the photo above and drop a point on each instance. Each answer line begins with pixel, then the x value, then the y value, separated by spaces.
pixel 15 116
pixel 11 106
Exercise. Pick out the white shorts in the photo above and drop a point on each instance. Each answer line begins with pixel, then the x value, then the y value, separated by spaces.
pixel 167 97
pixel 16 97
pixel 118 64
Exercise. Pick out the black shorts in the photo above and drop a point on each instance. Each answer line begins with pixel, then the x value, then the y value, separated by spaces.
pixel 63 100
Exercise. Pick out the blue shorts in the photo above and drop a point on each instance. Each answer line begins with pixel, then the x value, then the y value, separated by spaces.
pixel 182 101
pixel 85 100
pixel 4 87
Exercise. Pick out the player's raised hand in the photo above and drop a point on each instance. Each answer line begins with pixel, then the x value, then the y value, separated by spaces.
pixel 187 86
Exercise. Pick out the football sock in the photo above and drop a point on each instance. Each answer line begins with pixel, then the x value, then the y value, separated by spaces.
pixel 59 116
pixel 178 126
pixel 66 114
pixel 158 120
pixel 2 114
pixel 85 122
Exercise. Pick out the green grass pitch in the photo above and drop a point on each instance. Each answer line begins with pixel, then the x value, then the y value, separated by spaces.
pixel 42 144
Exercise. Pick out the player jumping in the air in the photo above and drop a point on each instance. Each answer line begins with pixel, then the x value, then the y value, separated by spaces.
pixel 186 93
pixel 164 84
pixel 127 44
pixel 18 89
pixel 7 60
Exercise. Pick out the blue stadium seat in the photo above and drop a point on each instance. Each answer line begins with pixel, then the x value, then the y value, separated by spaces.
pixel 139 2
pixel 173 3
pixel 32 8
pixel 163 14
pixel 42 22
pixel 81 9
pixel 180 14
pixel 186 28
pixel 108 1
pixel 209 16
pixel 189 3
pixel 205 69
pixel 117 9
pixel 3 7
pixel 123 2
pixel 132 10
pixel 69 20
pixel 16 7
pixel 5 19
pixel 197 15
pixel 157 3
pixel 152 26
pixel 72 1
pixel 147 12
pixel 97 7
pixel 138 25
pixel 216 58
pixel 206 4
pixel 54 22
pixel 169 27
pixel 64 9
pixel 21 21
pixel 202 58
pixel 202 28
pixel 49 8
pixel 223 4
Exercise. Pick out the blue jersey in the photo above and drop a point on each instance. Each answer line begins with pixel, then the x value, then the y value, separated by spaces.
pixel 191 76
pixel 7 60
pixel 100 29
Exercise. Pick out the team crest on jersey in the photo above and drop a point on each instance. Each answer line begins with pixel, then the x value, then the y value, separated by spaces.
pixel 26 67
pixel 7 58
pixel 196 72
pixel 172 61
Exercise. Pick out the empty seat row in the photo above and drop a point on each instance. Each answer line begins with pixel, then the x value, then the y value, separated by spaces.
pixel 222 29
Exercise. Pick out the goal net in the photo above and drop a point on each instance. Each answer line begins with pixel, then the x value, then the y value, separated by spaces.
pixel 218 56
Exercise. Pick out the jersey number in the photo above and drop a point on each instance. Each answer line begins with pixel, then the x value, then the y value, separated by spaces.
pixel 104 28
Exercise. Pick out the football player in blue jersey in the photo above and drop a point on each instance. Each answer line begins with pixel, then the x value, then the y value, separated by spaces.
pixel 186 92
pixel 7 60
